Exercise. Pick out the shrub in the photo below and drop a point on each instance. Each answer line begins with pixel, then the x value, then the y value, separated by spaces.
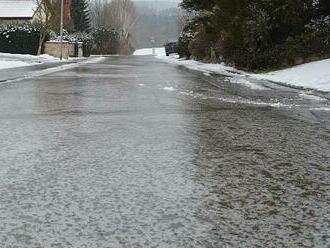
pixel 23 39
pixel 86 39
pixel 183 43
pixel 314 42
pixel 201 46
pixel 250 60
pixel 105 41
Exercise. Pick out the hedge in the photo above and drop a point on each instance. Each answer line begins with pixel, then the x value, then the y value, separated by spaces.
pixel 22 39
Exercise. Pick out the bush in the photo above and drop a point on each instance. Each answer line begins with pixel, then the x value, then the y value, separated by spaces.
pixel 250 60
pixel 23 39
pixel 315 41
pixel 201 46
pixel 105 41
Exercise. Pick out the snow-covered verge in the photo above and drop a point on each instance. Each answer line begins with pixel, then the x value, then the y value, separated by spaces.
pixel 314 75
pixel 55 68
pixel 203 67
pixel 5 64
pixel 28 56
pixel 8 60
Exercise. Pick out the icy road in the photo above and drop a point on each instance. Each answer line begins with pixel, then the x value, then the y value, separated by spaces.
pixel 135 152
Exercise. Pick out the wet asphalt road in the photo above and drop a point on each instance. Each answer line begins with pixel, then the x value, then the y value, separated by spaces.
pixel 134 152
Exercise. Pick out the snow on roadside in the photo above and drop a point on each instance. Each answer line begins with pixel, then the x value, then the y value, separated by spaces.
pixel 169 88
pixel 5 64
pixel 8 60
pixel 243 81
pixel 310 96
pixel 63 67
pixel 190 64
pixel 160 51
pixel 202 67
pixel 314 75
pixel 234 76
pixel 321 109
pixel 44 57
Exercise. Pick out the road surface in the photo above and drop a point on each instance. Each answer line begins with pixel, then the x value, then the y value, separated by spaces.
pixel 135 152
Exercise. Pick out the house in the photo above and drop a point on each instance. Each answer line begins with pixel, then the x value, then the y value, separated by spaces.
pixel 17 11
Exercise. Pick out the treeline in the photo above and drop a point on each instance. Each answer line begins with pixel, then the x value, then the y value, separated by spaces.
pixel 256 34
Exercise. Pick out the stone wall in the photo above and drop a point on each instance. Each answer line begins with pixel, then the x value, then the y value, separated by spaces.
pixel 72 49
pixel 54 49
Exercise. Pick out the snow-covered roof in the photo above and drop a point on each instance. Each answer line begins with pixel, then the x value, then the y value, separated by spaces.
pixel 17 9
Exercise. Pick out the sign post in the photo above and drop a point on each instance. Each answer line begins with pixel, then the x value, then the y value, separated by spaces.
pixel 153 41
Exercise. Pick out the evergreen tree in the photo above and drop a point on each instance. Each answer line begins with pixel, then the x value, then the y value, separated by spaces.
pixel 324 8
pixel 257 34
pixel 197 5
pixel 80 15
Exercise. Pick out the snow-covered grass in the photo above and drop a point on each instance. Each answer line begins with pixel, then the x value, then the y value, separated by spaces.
pixel 314 75
pixel 27 56
pixel 8 60
pixel 62 67
pixel 5 64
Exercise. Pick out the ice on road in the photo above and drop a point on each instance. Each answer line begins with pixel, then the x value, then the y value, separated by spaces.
pixel 107 155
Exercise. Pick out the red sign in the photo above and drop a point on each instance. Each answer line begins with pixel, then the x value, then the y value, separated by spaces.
pixel 68 9
pixel 152 37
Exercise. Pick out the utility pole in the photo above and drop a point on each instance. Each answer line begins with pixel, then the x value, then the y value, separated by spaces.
pixel 61 28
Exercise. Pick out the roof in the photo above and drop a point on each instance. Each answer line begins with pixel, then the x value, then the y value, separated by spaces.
pixel 16 9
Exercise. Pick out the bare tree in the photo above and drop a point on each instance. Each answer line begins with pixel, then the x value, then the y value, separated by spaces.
pixel 45 13
pixel 123 19
pixel 98 12
pixel 119 15
pixel 122 15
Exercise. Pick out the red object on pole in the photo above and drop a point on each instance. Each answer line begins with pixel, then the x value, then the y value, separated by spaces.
pixel 68 9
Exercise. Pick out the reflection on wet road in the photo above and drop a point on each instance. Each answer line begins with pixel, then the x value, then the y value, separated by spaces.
pixel 133 152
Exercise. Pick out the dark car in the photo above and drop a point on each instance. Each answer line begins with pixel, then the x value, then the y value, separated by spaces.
pixel 170 47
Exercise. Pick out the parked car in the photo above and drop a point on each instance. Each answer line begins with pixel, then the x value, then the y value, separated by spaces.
pixel 170 47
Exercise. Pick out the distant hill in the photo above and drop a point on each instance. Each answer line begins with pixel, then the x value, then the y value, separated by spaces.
pixel 158 18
